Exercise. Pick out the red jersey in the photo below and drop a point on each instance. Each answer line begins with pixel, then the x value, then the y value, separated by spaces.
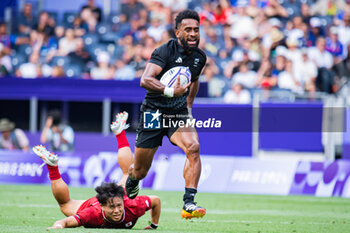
pixel 90 214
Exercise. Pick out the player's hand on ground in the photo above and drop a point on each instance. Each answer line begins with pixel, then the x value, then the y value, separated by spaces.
pixel 56 226
pixel 180 90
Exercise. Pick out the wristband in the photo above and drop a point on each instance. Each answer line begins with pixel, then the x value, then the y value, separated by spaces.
pixel 153 226
pixel 169 91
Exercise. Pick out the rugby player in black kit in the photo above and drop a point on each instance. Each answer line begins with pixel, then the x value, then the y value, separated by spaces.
pixel 176 101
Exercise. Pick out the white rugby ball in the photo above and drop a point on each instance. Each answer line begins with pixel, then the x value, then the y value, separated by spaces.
pixel 169 78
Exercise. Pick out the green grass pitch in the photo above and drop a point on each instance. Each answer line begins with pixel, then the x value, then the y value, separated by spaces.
pixel 29 208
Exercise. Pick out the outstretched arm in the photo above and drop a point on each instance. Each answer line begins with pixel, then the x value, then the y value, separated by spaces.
pixel 155 212
pixel 65 223
pixel 43 137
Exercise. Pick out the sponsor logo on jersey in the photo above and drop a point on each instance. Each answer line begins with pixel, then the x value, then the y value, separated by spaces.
pixel 178 60
pixel 128 224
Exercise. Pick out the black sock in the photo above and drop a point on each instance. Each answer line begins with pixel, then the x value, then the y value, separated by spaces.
pixel 189 195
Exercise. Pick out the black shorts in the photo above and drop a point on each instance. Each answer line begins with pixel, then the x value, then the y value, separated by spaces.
pixel 151 138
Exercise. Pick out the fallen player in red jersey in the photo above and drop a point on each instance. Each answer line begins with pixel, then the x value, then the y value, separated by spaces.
pixel 110 208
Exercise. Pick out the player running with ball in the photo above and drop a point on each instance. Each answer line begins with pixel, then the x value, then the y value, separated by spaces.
pixel 177 101
pixel 110 208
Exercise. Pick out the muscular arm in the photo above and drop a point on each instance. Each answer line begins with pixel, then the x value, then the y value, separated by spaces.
pixel 155 211
pixel 43 137
pixel 148 80
pixel 193 92
pixel 150 83
pixel 65 223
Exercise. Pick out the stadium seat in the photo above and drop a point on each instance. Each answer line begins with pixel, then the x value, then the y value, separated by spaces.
pixel 96 48
pixel 90 39
pixel 103 28
pixel 110 37
pixel 17 60
pixel 68 18
pixel 25 49
pixel 59 61
pixel 326 21
pixel 73 71
pixel 113 18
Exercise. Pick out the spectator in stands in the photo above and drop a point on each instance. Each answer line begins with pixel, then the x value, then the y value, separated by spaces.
pixel 324 61
pixel 103 70
pixel 30 69
pixel 287 80
pixel 123 71
pixel 80 57
pixel 279 67
pixel 255 8
pixel 273 38
pixel 293 52
pixel 344 33
pixel 66 44
pixel 222 12
pixel 9 41
pixel 165 37
pixel 157 10
pixel 315 31
pixel 59 136
pixel 265 79
pixel 176 5
pixel 212 43
pixel 45 24
pixel 27 19
pixel 5 62
pixel 305 12
pixel 241 24
pixel 137 61
pixel 247 78
pixel 46 45
pixel 307 72
pixel 334 46
pixel 222 61
pixel 156 28
pixel 327 7
pixel 57 72
pixel 132 8
pixel 12 138
pixel 275 9
pixel 89 21
pixel 97 12
pixel 59 32
pixel 149 46
pixel 215 83
pixel 80 28
pixel 237 95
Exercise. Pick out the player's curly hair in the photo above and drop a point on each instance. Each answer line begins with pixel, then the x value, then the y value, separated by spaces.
pixel 108 190
pixel 186 14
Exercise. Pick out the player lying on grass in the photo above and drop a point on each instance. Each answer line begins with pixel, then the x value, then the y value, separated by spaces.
pixel 110 208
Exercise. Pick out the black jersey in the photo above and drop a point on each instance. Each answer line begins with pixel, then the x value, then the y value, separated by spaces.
pixel 167 56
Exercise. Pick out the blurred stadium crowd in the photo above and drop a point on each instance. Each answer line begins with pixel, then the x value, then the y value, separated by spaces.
pixel 296 45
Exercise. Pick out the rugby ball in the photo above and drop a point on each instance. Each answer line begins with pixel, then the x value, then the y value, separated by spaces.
pixel 169 78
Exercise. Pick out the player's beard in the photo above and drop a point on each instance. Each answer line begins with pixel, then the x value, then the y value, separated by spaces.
pixel 188 47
